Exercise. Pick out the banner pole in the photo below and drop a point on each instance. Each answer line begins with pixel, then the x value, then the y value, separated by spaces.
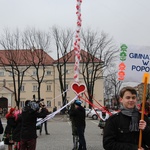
pixel 145 79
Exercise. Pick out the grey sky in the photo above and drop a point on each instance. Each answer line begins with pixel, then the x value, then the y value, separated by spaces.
pixel 128 21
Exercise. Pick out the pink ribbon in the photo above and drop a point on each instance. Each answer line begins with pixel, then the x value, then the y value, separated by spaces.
pixel 77 41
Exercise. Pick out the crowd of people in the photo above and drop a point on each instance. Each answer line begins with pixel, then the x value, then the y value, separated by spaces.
pixel 121 130
pixel 20 132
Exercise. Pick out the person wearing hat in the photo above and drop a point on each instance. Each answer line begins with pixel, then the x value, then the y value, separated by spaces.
pixel 9 129
pixel 78 115
pixel 28 129
pixel 44 111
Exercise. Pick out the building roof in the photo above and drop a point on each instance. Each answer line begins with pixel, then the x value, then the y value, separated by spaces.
pixel 4 90
pixel 84 55
pixel 24 57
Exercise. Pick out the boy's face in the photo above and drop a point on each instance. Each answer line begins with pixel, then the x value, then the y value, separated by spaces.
pixel 128 100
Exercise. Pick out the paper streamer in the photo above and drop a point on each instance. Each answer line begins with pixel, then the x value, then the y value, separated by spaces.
pixel 77 41
pixel 103 118
pixel 50 116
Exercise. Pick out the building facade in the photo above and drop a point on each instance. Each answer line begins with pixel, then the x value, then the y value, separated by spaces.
pixel 50 86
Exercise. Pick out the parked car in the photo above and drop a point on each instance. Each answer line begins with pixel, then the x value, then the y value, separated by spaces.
pixel 87 111
pixel 93 114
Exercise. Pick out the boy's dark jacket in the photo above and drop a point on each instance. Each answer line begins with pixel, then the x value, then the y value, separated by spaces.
pixel 118 137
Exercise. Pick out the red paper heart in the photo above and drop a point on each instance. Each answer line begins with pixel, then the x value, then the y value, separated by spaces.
pixel 78 89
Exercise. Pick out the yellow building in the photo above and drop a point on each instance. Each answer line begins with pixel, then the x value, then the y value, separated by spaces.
pixel 50 87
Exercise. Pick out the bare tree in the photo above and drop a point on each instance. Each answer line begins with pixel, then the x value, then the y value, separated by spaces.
pixel 63 41
pixel 12 59
pixel 38 42
pixel 113 84
pixel 22 50
pixel 100 53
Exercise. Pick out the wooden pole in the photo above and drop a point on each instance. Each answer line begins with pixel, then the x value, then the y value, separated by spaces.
pixel 143 106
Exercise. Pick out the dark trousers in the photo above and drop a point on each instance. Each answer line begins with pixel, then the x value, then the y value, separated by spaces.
pixel 82 142
pixel 45 125
pixel 28 144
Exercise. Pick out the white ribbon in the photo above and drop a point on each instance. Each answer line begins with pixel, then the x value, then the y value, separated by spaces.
pixel 50 116
pixel 104 118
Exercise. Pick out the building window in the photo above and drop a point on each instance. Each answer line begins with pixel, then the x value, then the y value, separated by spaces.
pixel 49 88
pixel 22 104
pixel 67 86
pixel 1 73
pixel 11 74
pixel 49 103
pixel 35 88
pixel 67 71
pixel 22 88
pixel 90 71
pixel 21 73
pixel 34 73
pixel 48 72
pixel 59 103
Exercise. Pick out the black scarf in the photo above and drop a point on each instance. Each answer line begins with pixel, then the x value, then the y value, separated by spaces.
pixel 133 113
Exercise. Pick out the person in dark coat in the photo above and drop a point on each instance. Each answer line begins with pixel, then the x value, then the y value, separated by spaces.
pixel 9 129
pixel 74 129
pixel 17 130
pixel 28 129
pixel 1 127
pixel 44 111
pixel 78 115
pixel 121 131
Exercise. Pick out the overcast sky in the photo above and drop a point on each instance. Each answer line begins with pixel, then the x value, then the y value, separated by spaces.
pixel 128 21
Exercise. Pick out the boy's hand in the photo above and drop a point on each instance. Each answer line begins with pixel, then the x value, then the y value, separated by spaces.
pixel 142 124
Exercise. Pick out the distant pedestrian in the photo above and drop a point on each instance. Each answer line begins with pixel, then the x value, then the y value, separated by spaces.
pixel 74 128
pixel 4 111
pixel 78 115
pixel 54 109
pixel 44 111
pixel 1 127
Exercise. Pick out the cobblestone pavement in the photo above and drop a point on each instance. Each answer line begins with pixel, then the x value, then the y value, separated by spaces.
pixel 60 137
